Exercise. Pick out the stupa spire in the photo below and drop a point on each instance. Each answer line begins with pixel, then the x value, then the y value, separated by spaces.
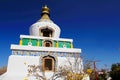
pixel 45 12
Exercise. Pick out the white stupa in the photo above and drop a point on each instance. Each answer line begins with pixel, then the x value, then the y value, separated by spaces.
pixel 42 54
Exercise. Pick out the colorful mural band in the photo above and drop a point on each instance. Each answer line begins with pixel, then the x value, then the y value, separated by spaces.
pixel 35 53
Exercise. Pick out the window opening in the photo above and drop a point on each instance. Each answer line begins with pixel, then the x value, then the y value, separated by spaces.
pixel 48 64
pixel 46 32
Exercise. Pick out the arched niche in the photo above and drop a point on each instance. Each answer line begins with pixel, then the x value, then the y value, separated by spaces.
pixel 53 58
pixel 48 63
pixel 46 32
pixel 47 43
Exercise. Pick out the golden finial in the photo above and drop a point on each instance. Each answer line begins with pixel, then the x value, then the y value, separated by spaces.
pixel 45 10
pixel 45 13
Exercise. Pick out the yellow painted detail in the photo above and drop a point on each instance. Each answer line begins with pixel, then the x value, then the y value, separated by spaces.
pixel 57 44
pixel 20 43
pixel 38 43
pixel 71 45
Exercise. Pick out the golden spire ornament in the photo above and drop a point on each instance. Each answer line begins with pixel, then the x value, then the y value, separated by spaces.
pixel 45 12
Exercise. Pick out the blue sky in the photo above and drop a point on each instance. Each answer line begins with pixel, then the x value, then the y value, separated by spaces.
pixel 94 25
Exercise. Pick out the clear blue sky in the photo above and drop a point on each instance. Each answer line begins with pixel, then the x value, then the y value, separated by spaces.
pixel 94 25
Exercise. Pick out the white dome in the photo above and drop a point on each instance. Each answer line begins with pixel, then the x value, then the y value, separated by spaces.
pixel 35 29
pixel 45 27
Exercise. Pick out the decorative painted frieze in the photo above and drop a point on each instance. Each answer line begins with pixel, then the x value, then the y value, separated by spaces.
pixel 44 53
pixel 41 43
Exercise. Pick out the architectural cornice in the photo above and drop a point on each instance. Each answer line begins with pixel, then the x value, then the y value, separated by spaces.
pixel 34 48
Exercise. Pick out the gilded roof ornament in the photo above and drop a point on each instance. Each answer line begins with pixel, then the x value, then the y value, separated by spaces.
pixel 45 13
pixel 45 10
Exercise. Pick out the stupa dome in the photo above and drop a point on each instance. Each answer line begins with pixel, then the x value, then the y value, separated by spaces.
pixel 45 27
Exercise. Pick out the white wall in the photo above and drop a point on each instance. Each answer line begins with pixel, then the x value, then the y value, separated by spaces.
pixel 18 66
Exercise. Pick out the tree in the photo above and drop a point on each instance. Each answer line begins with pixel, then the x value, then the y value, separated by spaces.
pixel 88 68
pixel 102 74
pixel 72 71
pixel 115 71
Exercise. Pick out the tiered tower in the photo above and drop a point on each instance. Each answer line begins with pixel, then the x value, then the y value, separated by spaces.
pixel 42 49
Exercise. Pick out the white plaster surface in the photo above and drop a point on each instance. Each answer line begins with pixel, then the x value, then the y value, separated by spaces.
pixel 18 65
pixel 35 28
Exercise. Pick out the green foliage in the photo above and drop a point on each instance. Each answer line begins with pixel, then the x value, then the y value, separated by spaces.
pixel 103 75
pixel 115 71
